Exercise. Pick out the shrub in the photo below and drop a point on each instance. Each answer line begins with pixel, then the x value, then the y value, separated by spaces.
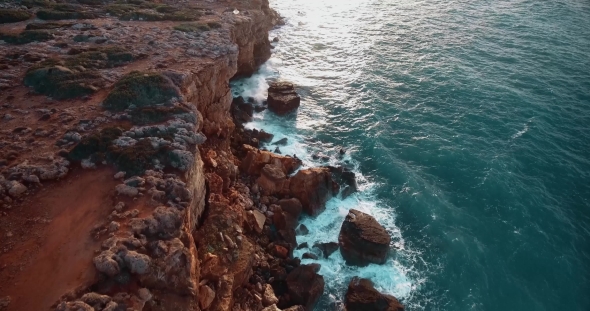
pixel 192 27
pixel 141 90
pixel 27 36
pixel 13 16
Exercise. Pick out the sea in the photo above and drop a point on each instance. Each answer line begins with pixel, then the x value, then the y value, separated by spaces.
pixel 467 124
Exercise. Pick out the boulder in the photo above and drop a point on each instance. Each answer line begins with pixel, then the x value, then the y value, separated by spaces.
pixel 305 286
pixel 313 187
pixel 326 248
pixel 16 189
pixel 271 179
pixel 363 240
pixel 255 220
pixel 256 159
pixel 361 295
pixel 282 98
pixel 292 206
pixel 269 298
pixel 105 262
pixel 137 263
pixel 206 296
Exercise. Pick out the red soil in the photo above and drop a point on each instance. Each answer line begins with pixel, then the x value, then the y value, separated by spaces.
pixel 49 249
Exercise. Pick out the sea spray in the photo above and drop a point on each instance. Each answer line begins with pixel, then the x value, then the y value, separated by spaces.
pixel 391 277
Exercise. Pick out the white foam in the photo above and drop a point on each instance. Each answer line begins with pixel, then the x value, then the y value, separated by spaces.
pixel 392 277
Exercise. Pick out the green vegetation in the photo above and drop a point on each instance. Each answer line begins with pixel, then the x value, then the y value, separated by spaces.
pixel 192 27
pixel 74 76
pixel 96 145
pixel 65 11
pixel 137 158
pixel 27 36
pixel 36 3
pixel 148 115
pixel 197 27
pixel 37 26
pixel 141 90
pixel 13 16
pixel 147 11
pixel 131 159
pixel 61 82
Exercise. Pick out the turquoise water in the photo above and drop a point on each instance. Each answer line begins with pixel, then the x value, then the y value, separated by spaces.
pixel 468 124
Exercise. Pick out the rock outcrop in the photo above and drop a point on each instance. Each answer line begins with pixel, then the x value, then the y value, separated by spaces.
pixel 305 286
pixel 313 187
pixel 282 98
pixel 363 240
pixel 361 295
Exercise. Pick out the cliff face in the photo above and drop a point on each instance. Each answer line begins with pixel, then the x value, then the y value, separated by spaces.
pixel 151 97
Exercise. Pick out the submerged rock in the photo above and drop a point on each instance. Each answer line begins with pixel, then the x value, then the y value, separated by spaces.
pixel 361 295
pixel 282 98
pixel 363 240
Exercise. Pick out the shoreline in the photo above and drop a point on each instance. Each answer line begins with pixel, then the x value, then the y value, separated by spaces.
pixel 188 213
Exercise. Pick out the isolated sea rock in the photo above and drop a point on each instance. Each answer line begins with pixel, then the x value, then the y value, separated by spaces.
pixel 282 98
pixel 305 286
pixel 326 248
pixel 361 295
pixel 313 187
pixel 363 240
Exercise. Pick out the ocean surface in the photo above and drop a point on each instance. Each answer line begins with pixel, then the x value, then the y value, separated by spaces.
pixel 468 126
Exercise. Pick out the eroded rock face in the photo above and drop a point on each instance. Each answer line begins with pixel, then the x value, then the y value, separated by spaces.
pixel 282 98
pixel 313 187
pixel 305 286
pixel 256 159
pixel 363 240
pixel 361 295
pixel 271 179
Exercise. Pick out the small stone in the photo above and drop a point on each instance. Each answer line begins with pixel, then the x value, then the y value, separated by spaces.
pixel 119 207
pixel 119 175
pixel 32 179
pixel 206 296
pixel 302 230
pixel 269 298
pixel 137 263
pixel 144 294
pixel 123 189
pixel 114 226
pixel 16 189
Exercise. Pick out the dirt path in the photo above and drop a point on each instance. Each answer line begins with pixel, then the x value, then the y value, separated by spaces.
pixel 46 245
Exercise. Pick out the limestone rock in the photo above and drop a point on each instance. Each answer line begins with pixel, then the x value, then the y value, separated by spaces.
pixel 74 306
pixel 256 220
pixel 282 98
pixel 95 300
pixel 206 296
pixel 361 295
pixel 255 160
pixel 326 248
pixel 16 189
pixel 363 240
pixel 313 187
pixel 305 286
pixel 269 298
pixel 271 179
pixel 126 190
pixel 106 263
pixel 271 308
pixel 137 263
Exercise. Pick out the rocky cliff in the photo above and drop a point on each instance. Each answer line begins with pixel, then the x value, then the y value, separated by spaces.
pixel 128 180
